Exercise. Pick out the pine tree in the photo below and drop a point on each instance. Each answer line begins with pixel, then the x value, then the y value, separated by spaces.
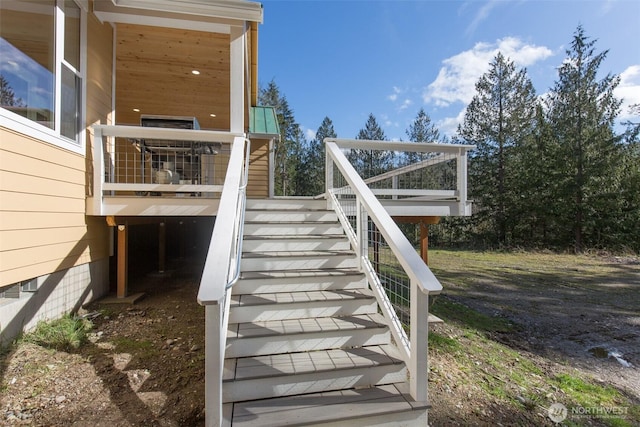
pixel 286 149
pixel 314 159
pixel 296 182
pixel 422 129
pixel 499 117
pixel 370 163
pixel 7 95
pixel 581 111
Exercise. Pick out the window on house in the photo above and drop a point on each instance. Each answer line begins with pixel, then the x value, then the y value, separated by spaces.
pixel 12 291
pixel 40 64
pixel 29 285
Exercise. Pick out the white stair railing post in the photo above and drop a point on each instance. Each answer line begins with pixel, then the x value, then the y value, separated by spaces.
pixel 213 292
pixel 214 357
pixel 418 337
pixel 98 172
pixel 328 178
pixel 394 185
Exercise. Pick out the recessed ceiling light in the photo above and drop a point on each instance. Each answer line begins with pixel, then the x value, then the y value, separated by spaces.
pixel 212 115
pixel 196 72
pixel 137 110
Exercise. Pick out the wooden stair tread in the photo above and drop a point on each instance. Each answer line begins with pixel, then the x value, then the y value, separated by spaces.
pixel 300 273
pixel 310 236
pixel 324 407
pixel 304 326
pixel 283 254
pixel 299 297
pixel 294 222
pixel 311 362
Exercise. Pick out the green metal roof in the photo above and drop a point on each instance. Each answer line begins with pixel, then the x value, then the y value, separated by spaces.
pixel 263 123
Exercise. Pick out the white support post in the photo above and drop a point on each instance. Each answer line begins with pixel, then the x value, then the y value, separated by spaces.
pixel 328 178
pixel 236 84
pixel 214 368
pixel 394 185
pixel 271 171
pixel 418 336
pixel 98 173
pixel 461 166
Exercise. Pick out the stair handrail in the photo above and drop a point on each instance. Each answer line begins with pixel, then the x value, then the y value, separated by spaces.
pixel 422 281
pixel 242 196
pixel 214 292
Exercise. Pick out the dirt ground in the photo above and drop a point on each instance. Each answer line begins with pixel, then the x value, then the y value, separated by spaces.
pixel 144 364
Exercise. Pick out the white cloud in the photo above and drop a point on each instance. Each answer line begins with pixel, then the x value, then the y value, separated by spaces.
pixel 449 125
pixel 482 15
pixel 406 104
pixel 310 134
pixel 387 121
pixel 628 90
pixel 606 6
pixel 457 78
pixel 394 96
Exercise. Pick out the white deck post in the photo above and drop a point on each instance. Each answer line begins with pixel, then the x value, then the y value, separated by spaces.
pixel 394 185
pixel 98 173
pixel 214 358
pixel 461 166
pixel 236 84
pixel 328 177
pixel 419 330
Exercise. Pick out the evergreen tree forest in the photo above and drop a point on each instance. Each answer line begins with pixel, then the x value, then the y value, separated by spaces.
pixel 554 172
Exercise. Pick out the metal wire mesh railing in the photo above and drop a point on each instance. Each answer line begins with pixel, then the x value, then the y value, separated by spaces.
pixel 383 261
pixel 142 161
pixel 430 176
pixel 135 161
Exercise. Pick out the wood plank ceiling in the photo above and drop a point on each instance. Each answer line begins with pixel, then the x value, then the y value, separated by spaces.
pixel 154 74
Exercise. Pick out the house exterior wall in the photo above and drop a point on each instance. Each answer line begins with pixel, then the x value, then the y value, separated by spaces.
pixel 258 186
pixel 45 235
pixel 60 292
pixel 99 85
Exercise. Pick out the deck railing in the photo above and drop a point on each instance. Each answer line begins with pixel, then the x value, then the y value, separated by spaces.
pixel 221 269
pixel 147 161
pixel 400 279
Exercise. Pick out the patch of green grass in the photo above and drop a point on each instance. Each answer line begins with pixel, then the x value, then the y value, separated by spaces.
pixel 459 313
pixel 595 397
pixel 442 343
pixel 587 393
pixel 67 333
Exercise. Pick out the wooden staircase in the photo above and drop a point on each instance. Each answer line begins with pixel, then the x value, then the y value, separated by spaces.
pixel 306 343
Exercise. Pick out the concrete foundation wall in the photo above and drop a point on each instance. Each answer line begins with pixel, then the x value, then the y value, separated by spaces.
pixel 57 294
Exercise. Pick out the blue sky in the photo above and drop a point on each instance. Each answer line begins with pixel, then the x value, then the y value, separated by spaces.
pixel 346 59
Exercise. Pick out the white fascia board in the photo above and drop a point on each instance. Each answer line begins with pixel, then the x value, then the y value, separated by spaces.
pixel 229 9
pixel 106 11
pixel 124 18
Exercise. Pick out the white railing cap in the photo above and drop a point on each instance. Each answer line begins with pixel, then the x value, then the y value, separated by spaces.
pixel 420 147
pixel 140 132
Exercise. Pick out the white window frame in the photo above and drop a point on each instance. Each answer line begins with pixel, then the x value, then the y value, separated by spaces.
pixel 31 128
